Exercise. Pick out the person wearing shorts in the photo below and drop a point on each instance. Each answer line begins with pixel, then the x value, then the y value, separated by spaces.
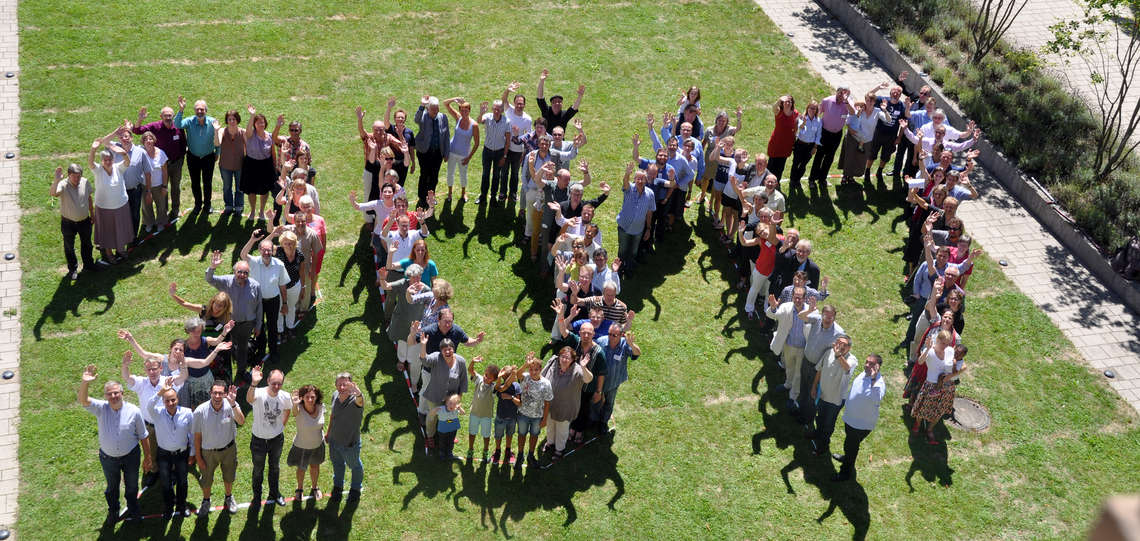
pixel 482 402
pixel 535 404
pixel 506 417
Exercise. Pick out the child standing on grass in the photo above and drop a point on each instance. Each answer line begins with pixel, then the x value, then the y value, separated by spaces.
pixel 508 391
pixel 448 416
pixel 481 406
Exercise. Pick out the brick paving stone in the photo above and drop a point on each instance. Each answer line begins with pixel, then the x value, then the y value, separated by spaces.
pixel 1084 310
pixel 9 272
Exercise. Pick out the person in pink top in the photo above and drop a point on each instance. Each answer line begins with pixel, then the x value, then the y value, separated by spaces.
pixel 834 110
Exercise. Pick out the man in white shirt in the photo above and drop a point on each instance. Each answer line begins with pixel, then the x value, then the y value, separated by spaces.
pixel 830 386
pixel 271 407
pixel 520 121
pixel 269 273
pixel 146 387
pixel 861 415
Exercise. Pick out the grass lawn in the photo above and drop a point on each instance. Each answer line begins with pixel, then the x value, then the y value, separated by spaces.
pixel 704 447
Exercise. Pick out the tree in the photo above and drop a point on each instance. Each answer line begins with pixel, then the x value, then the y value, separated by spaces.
pixel 994 19
pixel 1107 40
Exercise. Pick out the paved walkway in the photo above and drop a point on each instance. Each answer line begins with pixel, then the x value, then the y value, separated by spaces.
pixel 1030 30
pixel 1105 333
pixel 9 270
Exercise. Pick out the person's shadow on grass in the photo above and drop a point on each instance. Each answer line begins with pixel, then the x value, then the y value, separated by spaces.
pixel 300 521
pixel 334 524
pixel 931 461
pixel 67 297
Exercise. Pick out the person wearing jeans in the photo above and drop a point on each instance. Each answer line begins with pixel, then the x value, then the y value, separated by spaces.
pixel 861 415
pixel 830 387
pixel 271 407
pixel 230 140
pixel 201 154
pixel 173 427
pixel 75 209
pixel 343 435
pixel 635 216
pixel 497 135
pixel 121 431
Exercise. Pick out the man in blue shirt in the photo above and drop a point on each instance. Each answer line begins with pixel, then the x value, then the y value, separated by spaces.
pixel 121 431
pixel 174 430
pixel 634 218
pixel 618 350
pixel 200 154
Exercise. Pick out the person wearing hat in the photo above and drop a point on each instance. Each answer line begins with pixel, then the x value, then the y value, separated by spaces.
pixel 555 115
pixel 75 209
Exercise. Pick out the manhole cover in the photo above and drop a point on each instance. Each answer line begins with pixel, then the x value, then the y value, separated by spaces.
pixel 969 415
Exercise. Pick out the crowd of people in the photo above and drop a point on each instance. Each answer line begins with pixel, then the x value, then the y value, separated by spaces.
pixel 188 410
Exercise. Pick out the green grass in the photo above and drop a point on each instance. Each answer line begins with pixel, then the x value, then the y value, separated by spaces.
pixel 704 449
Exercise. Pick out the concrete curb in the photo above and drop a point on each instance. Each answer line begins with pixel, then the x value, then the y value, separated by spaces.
pixel 1007 173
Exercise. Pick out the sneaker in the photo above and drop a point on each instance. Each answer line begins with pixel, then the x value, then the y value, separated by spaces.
pixel 479 200
pixel 73 276
pixel 484 455
pixel 185 512
pixel 148 229
pixel 159 229
pixel 231 505
pixel 279 500
pixel 204 509
pixel 509 457
pixel 519 463
pixel 494 457
pixel 173 221
pixel 103 263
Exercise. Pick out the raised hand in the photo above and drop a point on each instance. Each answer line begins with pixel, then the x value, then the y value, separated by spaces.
pixel 280 120
pixel 773 302
pixel 224 346
pixel 581 89
pixel 142 114
pixel 605 187
pixel 215 259
pixel 255 376
pixel 173 290
pixel 229 326
pixel 812 302
pixel 578 123
pixel 391 102
pixel 629 167
pixel 181 102
pixel 583 166
pixel 360 112
pixel 89 373
pixel 252 111
pixel 649 120
pixel 231 393
pixel 556 307
pixel 125 335
pixel 545 73
pixel 636 140
pixel 514 86
pixel 482 108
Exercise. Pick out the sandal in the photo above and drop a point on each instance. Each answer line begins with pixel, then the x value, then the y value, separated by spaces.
pixel 298 494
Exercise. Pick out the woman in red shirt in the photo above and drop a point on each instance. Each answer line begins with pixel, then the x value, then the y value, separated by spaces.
pixel 783 138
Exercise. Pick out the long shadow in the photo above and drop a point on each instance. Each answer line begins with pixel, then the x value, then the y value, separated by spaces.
pixel 333 523
pixel 929 461
pixel 363 260
pixel 449 220
pixel 831 40
pixel 535 489
pixel 300 521
pixel 783 431
pixel 1074 283
pixel 492 222
pixel 67 297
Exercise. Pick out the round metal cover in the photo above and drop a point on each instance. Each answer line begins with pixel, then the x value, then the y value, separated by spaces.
pixel 8 374
pixel 969 415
